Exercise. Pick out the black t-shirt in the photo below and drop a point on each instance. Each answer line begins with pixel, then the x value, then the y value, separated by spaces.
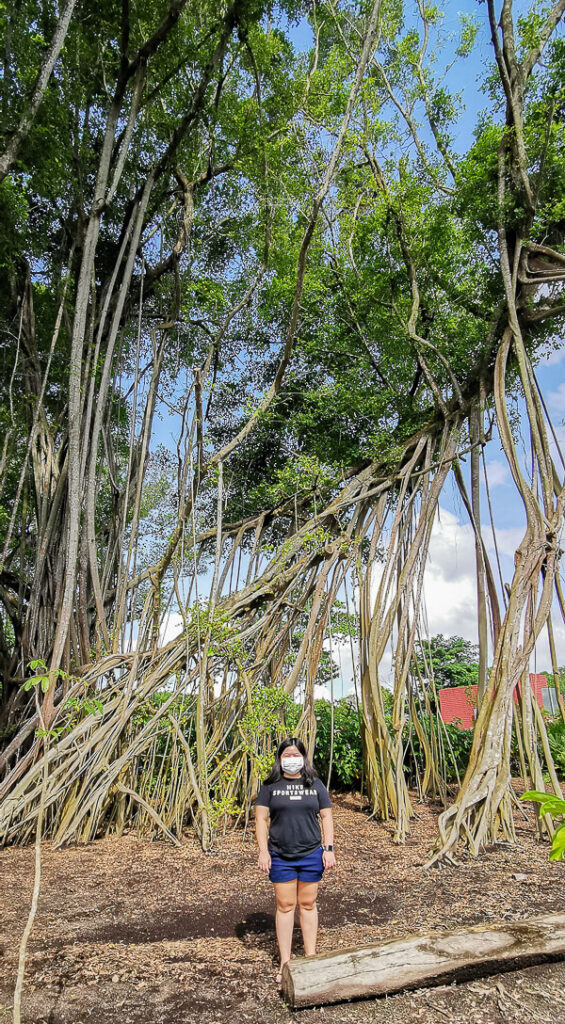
pixel 293 807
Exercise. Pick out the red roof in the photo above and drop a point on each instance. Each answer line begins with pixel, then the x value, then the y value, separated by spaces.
pixel 458 703
pixel 538 683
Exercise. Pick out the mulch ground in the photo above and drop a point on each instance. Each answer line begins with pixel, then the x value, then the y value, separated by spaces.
pixel 140 932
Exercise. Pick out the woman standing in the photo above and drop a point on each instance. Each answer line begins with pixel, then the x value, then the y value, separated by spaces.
pixel 291 850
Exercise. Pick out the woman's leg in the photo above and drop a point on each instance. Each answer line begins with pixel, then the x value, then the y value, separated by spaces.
pixel 307 895
pixel 285 895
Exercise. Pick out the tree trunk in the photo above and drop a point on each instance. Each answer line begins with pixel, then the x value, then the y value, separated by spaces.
pixel 421 960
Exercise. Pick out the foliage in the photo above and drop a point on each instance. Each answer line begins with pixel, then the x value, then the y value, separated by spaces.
pixel 347 760
pixel 213 628
pixel 46 203
pixel 42 679
pixel 556 738
pixel 255 151
pixel 450 661
pixel 555 806
pixel 80 707
pixel 265 723
pixel 182 709
pixel 341 627
pixel 456 745
pixel 550 677
pixel 347 764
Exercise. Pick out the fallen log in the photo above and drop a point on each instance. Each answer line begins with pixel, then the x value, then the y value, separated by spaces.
pixel 416 960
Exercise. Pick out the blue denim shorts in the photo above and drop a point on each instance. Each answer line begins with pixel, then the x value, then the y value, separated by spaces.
pixel 308 868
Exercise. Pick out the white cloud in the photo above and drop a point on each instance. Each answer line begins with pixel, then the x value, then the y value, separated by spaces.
pixel 321 692
pixel 171 627
pixel 498 473
pixel 557 454
pixel 554 357
pixel 556 399
pixel 450 586
pixel 449 579
pixel 507 542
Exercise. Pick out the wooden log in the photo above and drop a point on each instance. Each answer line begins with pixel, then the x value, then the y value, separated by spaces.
pixel 417 960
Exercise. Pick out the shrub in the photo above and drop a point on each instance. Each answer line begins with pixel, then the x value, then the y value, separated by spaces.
pixel 556 737
pixel 347 759
pixel 457 746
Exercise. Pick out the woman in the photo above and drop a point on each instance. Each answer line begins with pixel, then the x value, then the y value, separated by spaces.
pixel 291 850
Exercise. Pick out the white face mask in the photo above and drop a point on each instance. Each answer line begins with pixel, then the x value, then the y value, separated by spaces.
pixel 292 764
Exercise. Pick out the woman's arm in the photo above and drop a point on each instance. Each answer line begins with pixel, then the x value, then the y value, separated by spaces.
pixel 262 833
pixel 328 830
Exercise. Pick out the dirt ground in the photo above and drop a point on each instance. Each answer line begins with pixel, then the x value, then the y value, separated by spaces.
pixel 139 932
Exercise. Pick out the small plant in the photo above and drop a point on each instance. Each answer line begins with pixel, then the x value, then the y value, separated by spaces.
pixel 222 809
pixel 224 806
pixel 78 708
pixel 43 678
pixel 42 681
pixel 554 805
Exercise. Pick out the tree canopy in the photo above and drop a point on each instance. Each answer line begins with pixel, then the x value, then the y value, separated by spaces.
pixel 448 661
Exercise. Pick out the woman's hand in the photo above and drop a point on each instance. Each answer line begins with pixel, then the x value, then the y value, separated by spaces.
pixel 329 860
pixel 264 862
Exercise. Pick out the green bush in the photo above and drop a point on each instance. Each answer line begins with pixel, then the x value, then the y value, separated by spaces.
pixel 347 759
pixel 556 737
pixel 456 744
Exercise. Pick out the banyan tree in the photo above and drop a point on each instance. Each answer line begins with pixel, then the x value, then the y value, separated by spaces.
pixel 257 307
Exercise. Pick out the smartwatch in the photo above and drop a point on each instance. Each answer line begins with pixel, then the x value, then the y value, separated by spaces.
pixel 328 848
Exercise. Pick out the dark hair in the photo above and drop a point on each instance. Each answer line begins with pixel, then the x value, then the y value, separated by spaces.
pixel 308 773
